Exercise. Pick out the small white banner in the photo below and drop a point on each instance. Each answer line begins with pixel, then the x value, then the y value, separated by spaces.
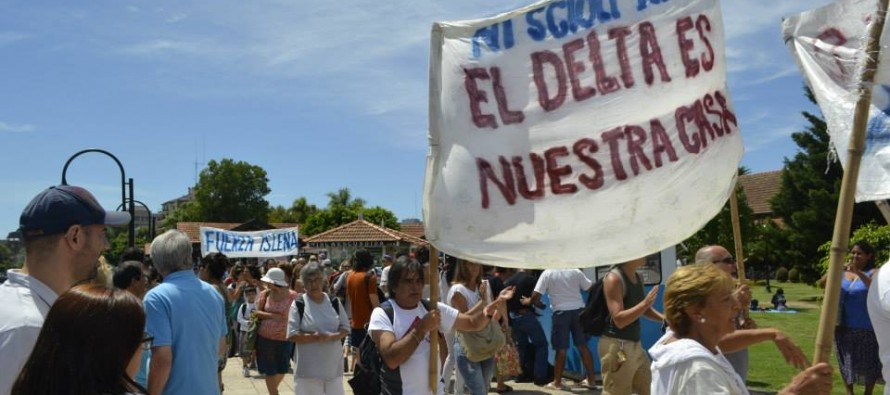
pixel 270 243
pixel 578 133
pixel 828 44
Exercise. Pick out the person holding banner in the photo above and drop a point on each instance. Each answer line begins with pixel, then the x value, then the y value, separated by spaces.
pixel 701 310
pixel 404 342
pixel 735 344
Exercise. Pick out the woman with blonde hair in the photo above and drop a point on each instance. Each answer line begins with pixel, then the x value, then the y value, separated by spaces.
pixel 700 309
pixel 467 295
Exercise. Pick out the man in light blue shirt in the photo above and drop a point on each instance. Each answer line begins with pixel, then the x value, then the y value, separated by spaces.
pixel 185 317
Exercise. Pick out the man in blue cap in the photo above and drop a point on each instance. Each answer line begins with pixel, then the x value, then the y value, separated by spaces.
pixel 63 229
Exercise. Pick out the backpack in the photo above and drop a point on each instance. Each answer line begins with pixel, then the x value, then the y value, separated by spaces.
pixel 301 305
pixel 368 375
pixel 595 317
pixel 380 296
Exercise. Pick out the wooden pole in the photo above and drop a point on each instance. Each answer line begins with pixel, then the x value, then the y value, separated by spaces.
pixel 739 252
pixel 885 209
pixel 433 278
pixel 841 236
pixel 737 234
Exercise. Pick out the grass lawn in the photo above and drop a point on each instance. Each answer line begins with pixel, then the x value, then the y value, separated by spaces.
pixel 767 368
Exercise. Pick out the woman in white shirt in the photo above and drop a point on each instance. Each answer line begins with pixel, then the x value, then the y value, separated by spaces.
pixel 700 309
pixel 467 291
pixel 317 323
pixel 404 342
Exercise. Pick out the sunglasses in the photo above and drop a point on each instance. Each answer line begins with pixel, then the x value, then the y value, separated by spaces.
pixel 147 342
pixel 729 260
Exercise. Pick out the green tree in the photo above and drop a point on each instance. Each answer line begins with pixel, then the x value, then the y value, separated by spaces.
pixel 187 212
pixel 227 191
pixel 117 242
pixel 230 191
pixel 380 216
pixel 807 199
pixel 719 229
pixel 297 213
pixel 342 209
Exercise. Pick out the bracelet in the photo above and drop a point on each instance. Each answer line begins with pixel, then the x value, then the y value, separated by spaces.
pixel 415 337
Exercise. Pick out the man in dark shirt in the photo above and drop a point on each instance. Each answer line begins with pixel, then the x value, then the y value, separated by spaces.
pixel 525 326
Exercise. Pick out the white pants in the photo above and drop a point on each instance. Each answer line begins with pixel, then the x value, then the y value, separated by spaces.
pixel 332 386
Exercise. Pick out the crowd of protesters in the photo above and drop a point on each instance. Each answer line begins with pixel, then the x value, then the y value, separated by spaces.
pixel 169 324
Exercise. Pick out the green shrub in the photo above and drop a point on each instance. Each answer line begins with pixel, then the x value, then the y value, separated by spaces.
pixel 794 275
pixel 877 236
pixel 782 275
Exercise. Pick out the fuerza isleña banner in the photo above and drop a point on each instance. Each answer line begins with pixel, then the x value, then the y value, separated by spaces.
pixel 577 133
pixel 258 244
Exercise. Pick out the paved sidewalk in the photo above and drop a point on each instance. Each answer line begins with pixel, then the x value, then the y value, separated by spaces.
pixel 254 385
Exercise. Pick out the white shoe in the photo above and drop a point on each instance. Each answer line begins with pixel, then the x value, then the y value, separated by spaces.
pixel 245 372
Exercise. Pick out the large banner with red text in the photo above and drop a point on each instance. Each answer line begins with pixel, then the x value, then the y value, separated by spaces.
pixel 828 44
pixel 578 133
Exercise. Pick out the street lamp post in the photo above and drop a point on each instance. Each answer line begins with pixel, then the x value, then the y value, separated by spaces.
pixel 151 219
pixel 132 238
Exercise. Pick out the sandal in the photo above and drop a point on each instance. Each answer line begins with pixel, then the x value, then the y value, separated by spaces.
pixel 584 383
pixel 551 386
pixel 504 390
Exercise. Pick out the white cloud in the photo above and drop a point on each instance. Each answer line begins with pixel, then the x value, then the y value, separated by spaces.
pixel 7 38
pixel 13 128
pixel 156 46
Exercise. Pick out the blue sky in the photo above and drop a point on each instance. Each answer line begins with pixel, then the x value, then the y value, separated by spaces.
pixel 322 95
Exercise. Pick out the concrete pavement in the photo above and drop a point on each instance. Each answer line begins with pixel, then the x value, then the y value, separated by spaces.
pixel 236 384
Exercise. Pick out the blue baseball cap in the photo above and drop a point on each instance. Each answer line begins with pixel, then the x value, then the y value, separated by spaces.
pixel 58 208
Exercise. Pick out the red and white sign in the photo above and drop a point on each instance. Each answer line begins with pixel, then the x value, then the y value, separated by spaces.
pixel 578 133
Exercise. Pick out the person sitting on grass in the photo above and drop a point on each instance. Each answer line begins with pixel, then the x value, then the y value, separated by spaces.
pixel 779 300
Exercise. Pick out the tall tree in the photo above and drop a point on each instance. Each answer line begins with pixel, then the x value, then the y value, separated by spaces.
pixel 227 191
pixel 297 213
pixel 342 208
pixel 807 199
pixel 230 191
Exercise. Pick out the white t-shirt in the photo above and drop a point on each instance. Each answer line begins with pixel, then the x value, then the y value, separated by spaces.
pixel 384 276
pixel 414 371
pixel 878 303
pixel 244 313
pixel 24 303
pixel 472 297
pixel 317 360
pixel 564 287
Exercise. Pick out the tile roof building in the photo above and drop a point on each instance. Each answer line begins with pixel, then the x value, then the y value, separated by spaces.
pixel 759 189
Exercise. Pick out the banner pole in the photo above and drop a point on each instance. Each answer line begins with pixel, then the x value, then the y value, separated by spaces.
pixel 739 252
pixel 841 236
pixel 737 233
pixel 885 209
pixel 433 278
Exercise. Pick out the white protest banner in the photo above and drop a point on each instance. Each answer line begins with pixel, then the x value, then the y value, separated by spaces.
pixel 270 243
pixel 827 44
pixel 578 133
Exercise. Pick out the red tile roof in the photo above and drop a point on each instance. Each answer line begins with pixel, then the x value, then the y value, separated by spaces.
pixel 415 230
pixel 362 232
pixel 760 188
pixel 193 229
